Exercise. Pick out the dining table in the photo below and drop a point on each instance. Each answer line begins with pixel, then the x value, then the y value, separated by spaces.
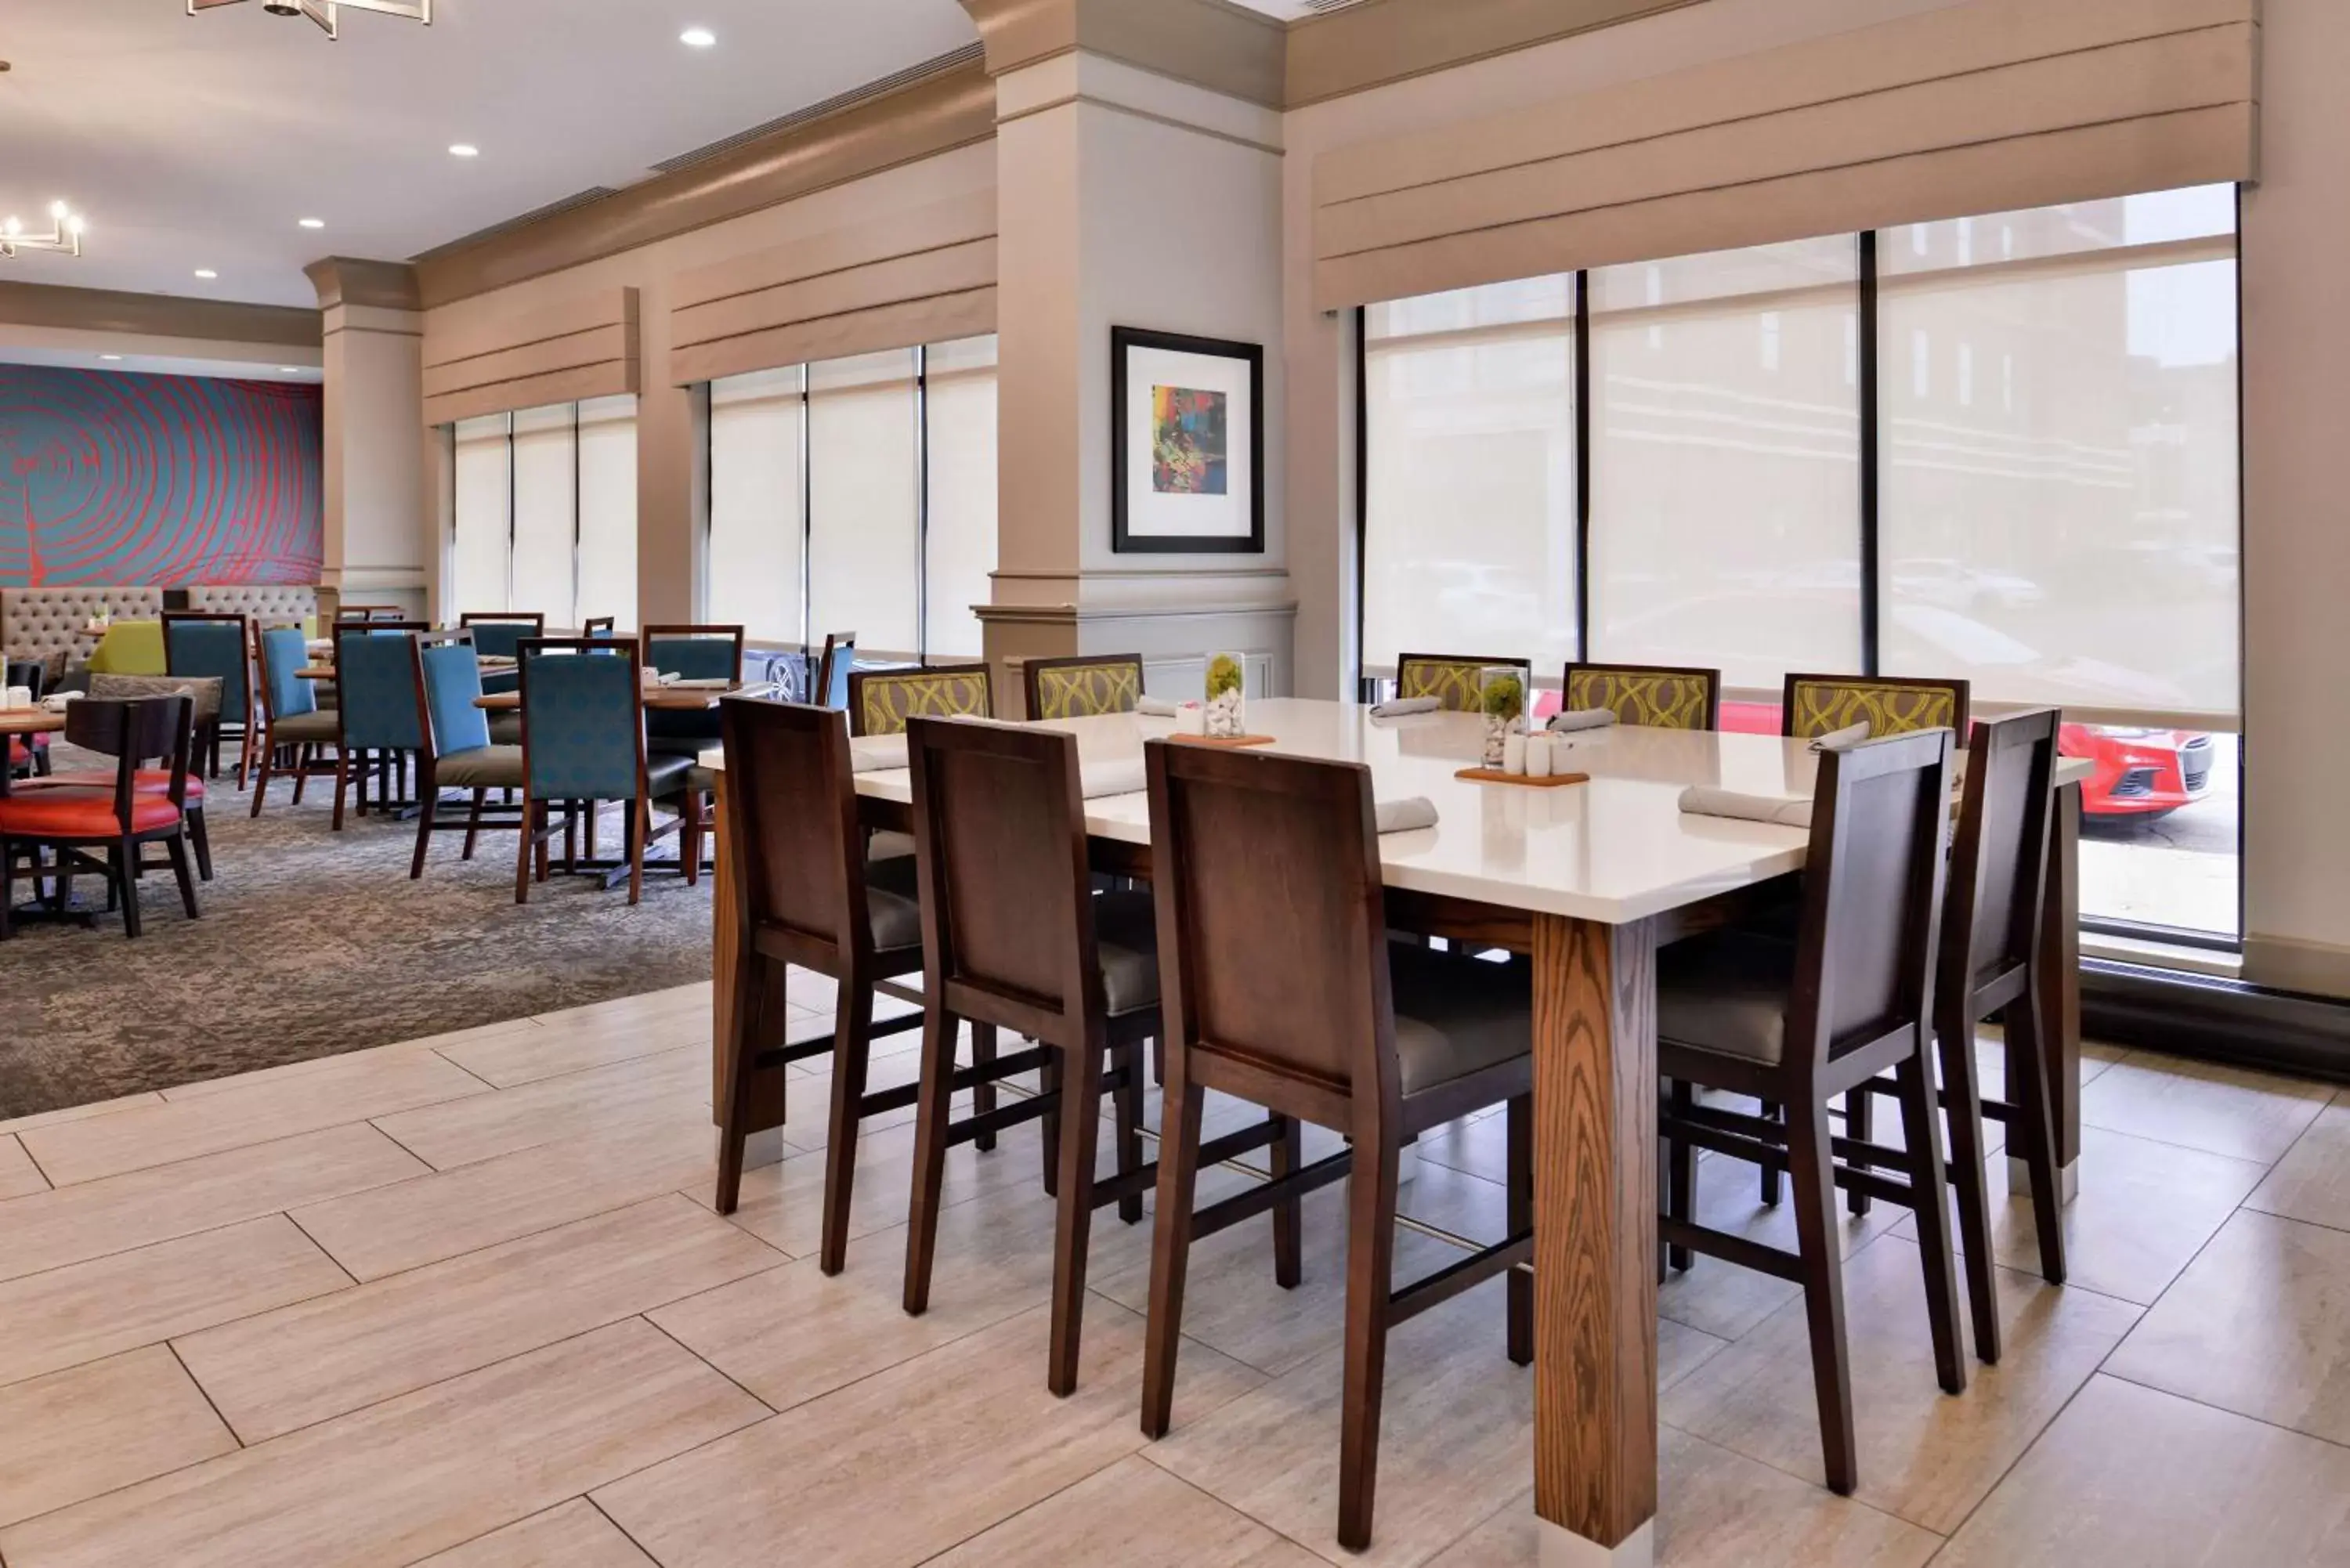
pixel 674 699
pixel 1588 880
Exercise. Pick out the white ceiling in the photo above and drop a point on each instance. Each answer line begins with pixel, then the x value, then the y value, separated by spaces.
pixel 199 141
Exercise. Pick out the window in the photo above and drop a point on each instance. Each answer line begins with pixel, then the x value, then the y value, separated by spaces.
pixel 1470 518
pixel 1725 497
pixel 2052 514
pixel 864 423
pixel 546 513
pixel 959 478
pixel 857 494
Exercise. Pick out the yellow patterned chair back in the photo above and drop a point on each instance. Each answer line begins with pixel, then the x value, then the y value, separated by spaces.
pixel 1448 678
pixel 1087 684
pixel 1659 696
pixel 1820 705
pixel 881 700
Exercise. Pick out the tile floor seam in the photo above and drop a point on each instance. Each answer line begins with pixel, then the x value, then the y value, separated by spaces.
pixel 186 1372
pixel 2223 1410
pixel 1028 1507
pixel 355 1280
pixel 747 1392
pixel 622 1529
pixel 2246 1207
pixel 2265 1165
pixel 34 1161
pixel 166 1241
pixel 436 1051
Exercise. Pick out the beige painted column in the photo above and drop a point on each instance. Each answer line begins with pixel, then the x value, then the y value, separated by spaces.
pixel 380 542
pixel 1138 184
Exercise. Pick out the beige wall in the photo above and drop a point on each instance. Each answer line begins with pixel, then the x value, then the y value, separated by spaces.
pixel 379 547
pixel 671 504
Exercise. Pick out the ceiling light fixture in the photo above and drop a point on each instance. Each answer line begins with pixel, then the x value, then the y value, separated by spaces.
pixel 206 272
pixel 312 223
pixel 109 356
pixel 290 370
pixel 697 37
pixel 463 149
pixel 322 12
pixel 66 230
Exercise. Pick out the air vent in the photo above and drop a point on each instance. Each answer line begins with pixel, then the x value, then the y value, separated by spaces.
pixel 1324 7
pixel 576 199
pixel 871 90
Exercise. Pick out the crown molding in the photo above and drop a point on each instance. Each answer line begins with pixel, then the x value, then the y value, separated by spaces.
pixel 1381 41
pixel 346 280
pixel 1208 43
pixel 955 107
pixel 156 316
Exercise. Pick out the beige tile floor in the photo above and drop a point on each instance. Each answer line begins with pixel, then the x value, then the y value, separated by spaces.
pixel 461 1302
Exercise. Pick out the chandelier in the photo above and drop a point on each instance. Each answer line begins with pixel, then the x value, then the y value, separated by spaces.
pixel 65 234
pixel 322 12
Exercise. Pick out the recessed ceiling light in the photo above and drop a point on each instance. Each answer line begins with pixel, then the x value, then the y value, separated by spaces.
pixel 290 370
pixel 312 223
pixel 697 37
pixel 463 149
pixel 206 272
pixel 109 356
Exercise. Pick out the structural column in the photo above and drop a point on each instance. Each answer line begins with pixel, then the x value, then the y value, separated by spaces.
pixel 380 542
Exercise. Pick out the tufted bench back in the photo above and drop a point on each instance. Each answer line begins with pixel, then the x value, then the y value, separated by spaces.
pixel 268 604
pixel 38 623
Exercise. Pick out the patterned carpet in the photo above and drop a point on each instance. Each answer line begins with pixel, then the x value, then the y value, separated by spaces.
pixel 314 943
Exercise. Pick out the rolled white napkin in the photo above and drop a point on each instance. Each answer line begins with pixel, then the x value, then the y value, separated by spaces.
pixel 1405 815
pixel 1124 776
pixel 1840 739
pixel 57 701
pixel 1403 707
pixel 1704 800
pixel 877 754
pixel 1157 706
pixel 1580 718
pixel 698 682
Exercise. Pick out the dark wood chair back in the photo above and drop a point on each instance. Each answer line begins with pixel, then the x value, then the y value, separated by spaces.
pixel 134 732
pixel 700 652
pixel 831 676
pixel 1000 845
pixel 1272 921
pixel 598 626
pixel 791 833
pixel 1999 858
pixel 1872 898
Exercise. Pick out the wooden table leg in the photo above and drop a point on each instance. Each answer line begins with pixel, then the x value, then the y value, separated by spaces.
pixel 767 1096
pixel 1594 1037
pixel 2060 996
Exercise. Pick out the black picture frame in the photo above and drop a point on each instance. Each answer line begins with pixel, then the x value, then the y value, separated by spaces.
pixel 1124 539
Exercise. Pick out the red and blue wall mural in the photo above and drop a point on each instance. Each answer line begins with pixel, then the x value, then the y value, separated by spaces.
pixel 157 481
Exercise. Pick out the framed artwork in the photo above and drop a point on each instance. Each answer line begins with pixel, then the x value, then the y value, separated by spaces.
pixel 1187 444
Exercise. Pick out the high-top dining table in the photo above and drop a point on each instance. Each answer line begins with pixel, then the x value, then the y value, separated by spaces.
pixel 1586 880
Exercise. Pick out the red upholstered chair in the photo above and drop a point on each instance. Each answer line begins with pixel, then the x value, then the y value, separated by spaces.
pixel 102 828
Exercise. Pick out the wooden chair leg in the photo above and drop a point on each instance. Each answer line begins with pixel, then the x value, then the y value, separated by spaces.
pixel 744 1024
pixel 982 1095
pixel 2034 1126
pixel 1130 1129
pixel 200 837
pixel 1370 1277
pixel 931 1107
pixel 261 778
pixel 426 804
pixel 688 833
pixel 342 784
pixel 1048 1079
pixel 852 1056
pixel 533 813
pixel 1521 1216
pixel 1171 1247
pixel 1771 1111
pixel 474 821
pixel 1922 1130
pixel 1859 1122
pixel 122 867
pixel 1962 1102
pixel 1810 1163
pixel 640 817
pixel 177 848
pixel 1680 1176
pixel 1080 1119
pixel 8 885
pixel 1286 1156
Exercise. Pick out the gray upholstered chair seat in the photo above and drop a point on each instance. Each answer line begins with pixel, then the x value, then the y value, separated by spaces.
pixel 483 767
pixel 1726 991
pixel 204 689
pixel 886 845
pixel 1126 942
pixel 701 778
pixel 305 727
pixel 666 775
pixel 1456 1015
pixel 505 729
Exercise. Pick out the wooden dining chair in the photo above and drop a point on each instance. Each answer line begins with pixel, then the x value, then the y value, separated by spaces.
pixel 882 702
pixel 379 614
pixel 1799 1024
pixel 1453 679
pixel 583 741
pixel 498 633
pixel 1013 936
pixel 1988 968
pixel 694 653
pixel 294 729
pixel 805 896
pixel 1284 989
pixel 598 626
pixel 1087 684
pixel 376 723
pixel 829 687
pixel 104 826
pixel 217 644
pixel 456 751
pixel 1815 705
pixel 1656 696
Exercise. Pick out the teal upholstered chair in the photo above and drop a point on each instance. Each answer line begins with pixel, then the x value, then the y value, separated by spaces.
pixel 831 677
pixel 213 643
pixel 381 726
pixel 496 635
pixel 582 741
pixel 691 653
pixel 457 752
pixel 294 728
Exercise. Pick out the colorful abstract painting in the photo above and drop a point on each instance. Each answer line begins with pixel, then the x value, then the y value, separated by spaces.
pixel 1187 441
pixel 157 481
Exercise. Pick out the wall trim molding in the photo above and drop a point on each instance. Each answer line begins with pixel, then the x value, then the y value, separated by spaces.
pixel 952 108
pixel 158 314
pixel 1377 42
pixel 376 284
pixel 1212 44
